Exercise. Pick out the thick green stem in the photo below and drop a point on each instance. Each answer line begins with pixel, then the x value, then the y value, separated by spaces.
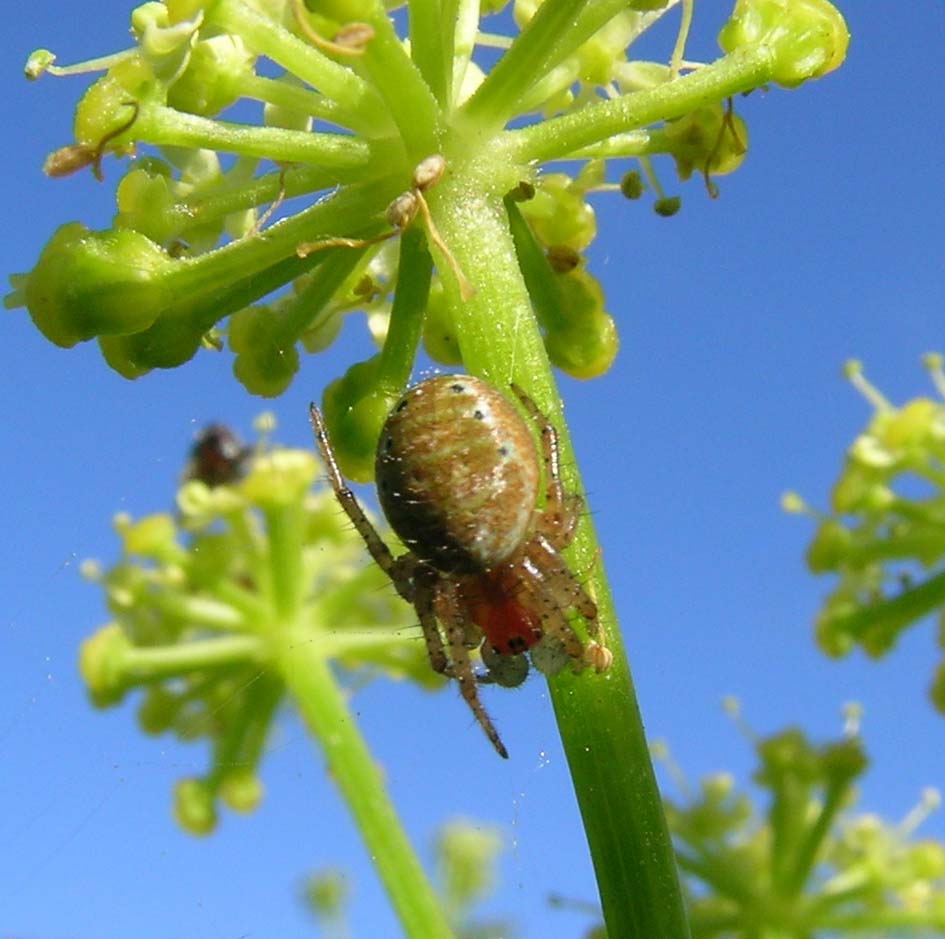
pixel 352 767
pixel 597 714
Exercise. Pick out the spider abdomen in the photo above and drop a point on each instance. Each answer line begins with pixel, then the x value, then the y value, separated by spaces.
pixel 458 474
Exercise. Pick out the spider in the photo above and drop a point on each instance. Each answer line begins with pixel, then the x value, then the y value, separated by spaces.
pixel 458 476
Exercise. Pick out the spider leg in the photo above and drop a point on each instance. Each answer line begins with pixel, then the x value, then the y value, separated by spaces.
pixel 546 567
pixel 550 606
pixel 424 602
pixel 396 570
pixel 558 519
pixel 462 669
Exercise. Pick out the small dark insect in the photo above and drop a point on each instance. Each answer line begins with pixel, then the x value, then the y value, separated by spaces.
pixel 217 457
pixel 458 477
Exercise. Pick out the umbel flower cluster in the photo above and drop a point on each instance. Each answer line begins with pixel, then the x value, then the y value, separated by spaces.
pixel 802 863
pixel 204 601
pixel 884 537
pixel 349 112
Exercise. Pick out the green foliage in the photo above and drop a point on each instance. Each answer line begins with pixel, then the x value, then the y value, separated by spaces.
pixel 884 538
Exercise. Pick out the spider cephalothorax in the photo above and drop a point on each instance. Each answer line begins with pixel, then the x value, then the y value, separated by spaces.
pixel 458 477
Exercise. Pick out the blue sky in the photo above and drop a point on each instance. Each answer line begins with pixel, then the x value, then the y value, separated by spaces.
pixel 735 318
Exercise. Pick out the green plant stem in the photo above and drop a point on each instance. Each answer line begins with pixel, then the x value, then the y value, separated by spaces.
pixel 395 76
pixel 199 208
pixel 344 156
pixel 152 663
pixel 597 716
pixel 559 137
pixel 313 301
pixel 427 38
pixel 284 95
pixel 285 524
pixel 805 855
pixel 465 13
pixel 359 106
pixel 406 315
pixel 352 767
pixel 895 614
pixel 555 31
pixel 346 213
pixel 202 611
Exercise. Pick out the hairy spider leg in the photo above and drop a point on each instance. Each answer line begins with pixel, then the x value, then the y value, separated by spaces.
pixel 558 520
pixel 539 585
pixel 424 602
pixel 462 666
pixel 397 572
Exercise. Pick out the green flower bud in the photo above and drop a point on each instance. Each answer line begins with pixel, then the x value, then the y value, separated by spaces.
pixel 178 10
pixel 355 409
pixel 559 215
pixel 201 504
pixel 844 761
pixel 144 197
pixel 466 853
pixel 911 426
pixel 668 206
pixel 194 810
pixel 170 341
pixel 326 893
pixel 213 77
pixel 600 57
pixel 37 63
pixel 829 548
pixel 439 332
pixel 279 478
pixel 88 284
pixel 852 488
pixel 927 860
pixel 586 351
pixel 586 344
pixel 830 629
pixel 157 711
pixel 632 185
pixel 102 665
pixel 265 365
pixel 152 537
pixel 119 358
pixel 809 38
pixel 241 789
pixel 280 115
pixel 165 46
pixel 109 104
pixel 706 142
